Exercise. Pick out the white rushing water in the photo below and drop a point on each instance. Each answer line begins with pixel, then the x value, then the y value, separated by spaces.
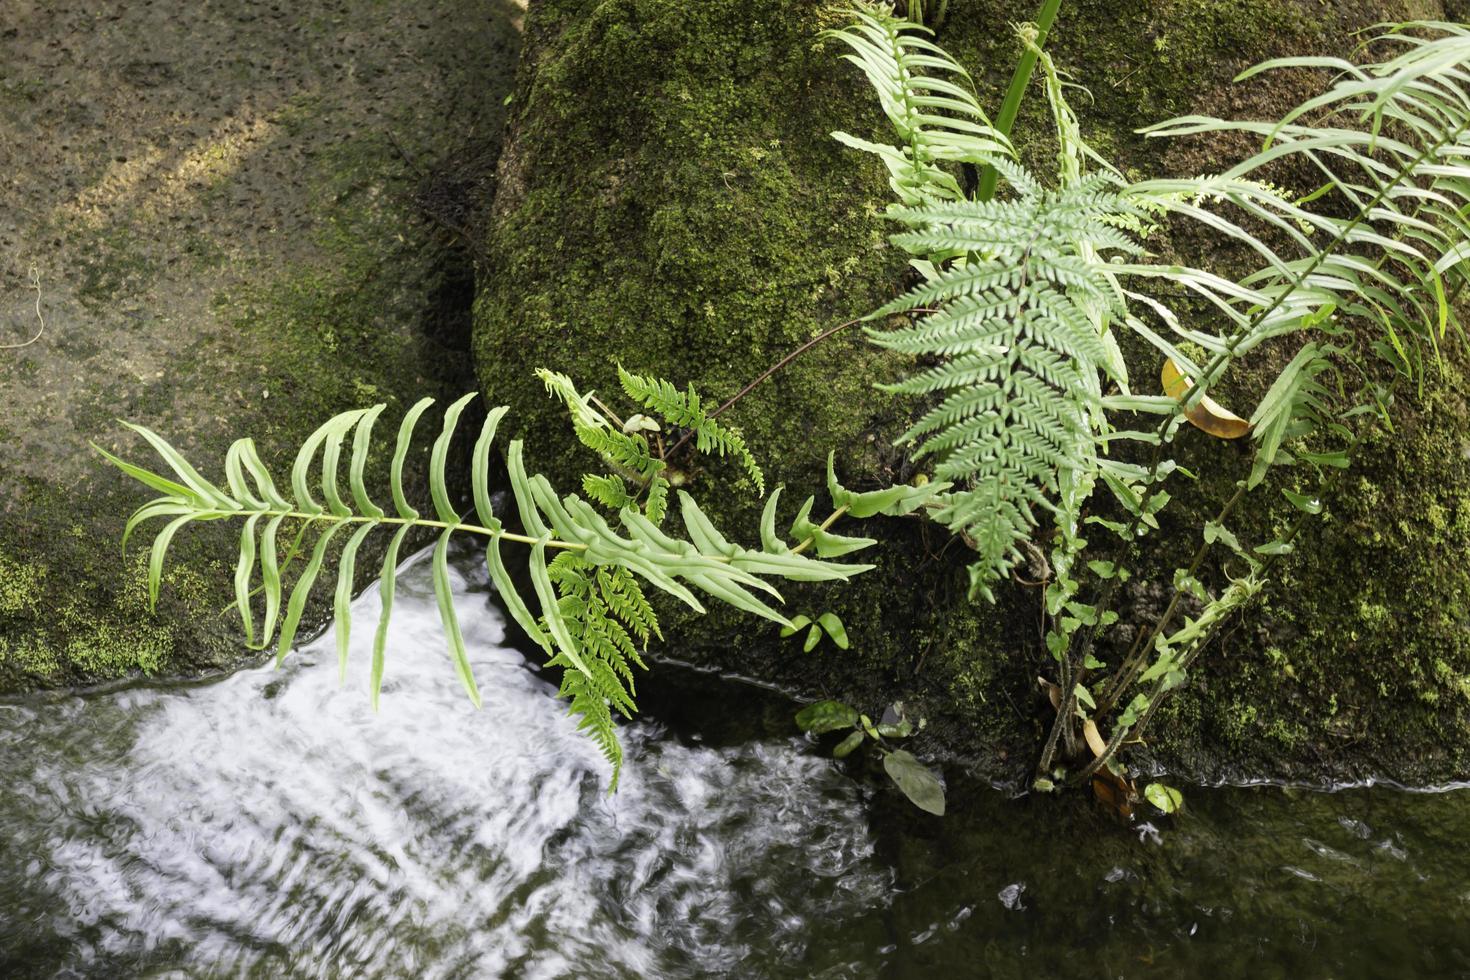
pixel 271 823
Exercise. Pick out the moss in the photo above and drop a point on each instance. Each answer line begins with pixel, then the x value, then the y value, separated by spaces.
pixel 22 587
pixel 670 199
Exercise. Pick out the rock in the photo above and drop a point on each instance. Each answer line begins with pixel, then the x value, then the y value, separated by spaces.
pixel 669 198
pixel 187 285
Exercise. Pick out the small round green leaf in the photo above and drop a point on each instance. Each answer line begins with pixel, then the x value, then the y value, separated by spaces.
pixel 1166 798
pixel 834 629
pixel 826 716
pixel 847 745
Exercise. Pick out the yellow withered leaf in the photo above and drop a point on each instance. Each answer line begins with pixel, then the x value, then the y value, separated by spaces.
pixel 1209 415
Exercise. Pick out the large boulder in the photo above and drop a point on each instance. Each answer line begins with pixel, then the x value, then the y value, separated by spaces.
pixel 213 212
pixel 670 199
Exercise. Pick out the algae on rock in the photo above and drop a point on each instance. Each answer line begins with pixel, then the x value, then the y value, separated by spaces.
pixel 226 245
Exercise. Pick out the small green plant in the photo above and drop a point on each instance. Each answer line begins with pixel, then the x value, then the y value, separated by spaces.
pixel 915 780
pixel 587 575
pixel 827 623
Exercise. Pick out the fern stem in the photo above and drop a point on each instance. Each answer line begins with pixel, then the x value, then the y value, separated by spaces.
pixel 762 378
pixel 1138 656
pixel 1010 106
pixel 831 519
pixel 414 521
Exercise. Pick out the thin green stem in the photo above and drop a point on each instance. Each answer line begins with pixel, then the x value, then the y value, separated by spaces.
pixel 811 539
pixel 1010 106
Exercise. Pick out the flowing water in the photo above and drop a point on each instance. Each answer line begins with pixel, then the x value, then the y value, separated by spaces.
pixel 269 824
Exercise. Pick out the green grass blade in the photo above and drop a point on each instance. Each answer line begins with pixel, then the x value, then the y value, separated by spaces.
pixel 342 600
pixel 438 489
pixel 480 468
pixel 361 443
pixel 297 603
pixel 389 579
pixel 400 453
pixel 244 569
pixel 444 595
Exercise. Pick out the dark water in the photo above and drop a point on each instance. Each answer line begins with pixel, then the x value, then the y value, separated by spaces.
pixel 271 825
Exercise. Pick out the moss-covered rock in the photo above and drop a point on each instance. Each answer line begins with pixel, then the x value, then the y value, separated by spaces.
pixel 220 215
pixel 670 199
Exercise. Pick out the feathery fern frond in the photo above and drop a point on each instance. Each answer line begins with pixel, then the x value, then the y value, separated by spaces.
pixel 1386 234
pixel 928 99
pixel 1019 323
pixel 590 598
pixel 684 409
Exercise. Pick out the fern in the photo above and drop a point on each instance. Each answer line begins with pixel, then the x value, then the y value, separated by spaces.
pixel 929 101
pixel 1017 325
pixel 684 409
pixel 589 591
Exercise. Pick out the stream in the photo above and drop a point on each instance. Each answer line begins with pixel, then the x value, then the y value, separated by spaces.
pixel 270 824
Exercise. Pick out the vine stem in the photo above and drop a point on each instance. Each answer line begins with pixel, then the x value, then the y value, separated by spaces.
pixel 684 439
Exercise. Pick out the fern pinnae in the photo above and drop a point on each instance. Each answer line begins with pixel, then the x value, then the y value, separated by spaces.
pixel 400 454
pixel 156 555
pixel 387 583
pixel 270 575
pixel 438 457
pixel 444 598
pixel 196 485
pixel 244 570
pixel 342 597
pixel 331 457
pixel 480 469
pixel 296 605
pixel 235 476
pixel 357 469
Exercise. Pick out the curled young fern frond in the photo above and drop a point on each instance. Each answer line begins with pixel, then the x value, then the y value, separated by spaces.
pixel 929 100
pixel 589 594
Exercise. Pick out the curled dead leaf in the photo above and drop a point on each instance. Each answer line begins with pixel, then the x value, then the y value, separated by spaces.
pixel 1094 738
pixel 1209 415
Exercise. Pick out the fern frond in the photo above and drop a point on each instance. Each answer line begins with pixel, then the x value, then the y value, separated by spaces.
pixel 1019 323
pixel 928 99
pixel 589 593
pixel 1384 238
pixel 684 409
pixel 609 491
